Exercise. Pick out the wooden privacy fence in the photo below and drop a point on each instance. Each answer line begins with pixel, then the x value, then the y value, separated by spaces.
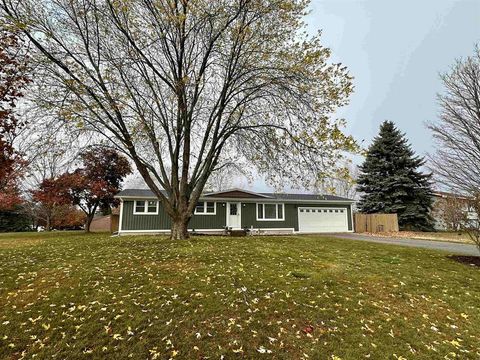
pixel 114 220
pixel 375 223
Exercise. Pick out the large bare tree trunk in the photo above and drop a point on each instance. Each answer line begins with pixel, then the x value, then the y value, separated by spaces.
pixel 179 230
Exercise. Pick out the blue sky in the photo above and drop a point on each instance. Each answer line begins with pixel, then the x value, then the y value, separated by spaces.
pixel 396 50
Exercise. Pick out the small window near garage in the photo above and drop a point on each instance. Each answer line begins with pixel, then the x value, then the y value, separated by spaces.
pixel 270 211
pixel 273 212
pixel 205 208
pixel 280 211
pixel 145 207
pixel 260 211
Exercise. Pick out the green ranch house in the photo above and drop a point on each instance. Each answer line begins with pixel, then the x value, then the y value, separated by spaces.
pixel 261 213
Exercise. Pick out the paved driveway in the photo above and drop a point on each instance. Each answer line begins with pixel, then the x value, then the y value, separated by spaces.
pixel 456 248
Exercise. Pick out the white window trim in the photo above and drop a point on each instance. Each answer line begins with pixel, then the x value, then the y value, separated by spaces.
pixel 146 207
pixel 276 211
pixel 205 208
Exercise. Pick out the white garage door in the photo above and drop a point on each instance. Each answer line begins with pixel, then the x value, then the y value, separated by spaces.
pixel 311 219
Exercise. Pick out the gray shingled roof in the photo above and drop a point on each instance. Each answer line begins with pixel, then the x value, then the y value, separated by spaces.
pixel 137 192
pixel 281 196
pixel 144 193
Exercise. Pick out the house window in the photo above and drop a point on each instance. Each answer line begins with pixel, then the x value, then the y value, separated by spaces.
pixel 145 207
pixel 152 206
pixel 205 208
pixel 139 206
pixel 270 212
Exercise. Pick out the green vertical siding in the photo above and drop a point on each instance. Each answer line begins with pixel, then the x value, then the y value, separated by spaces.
pixel 249 216
pixel 218 221
pixel 162 220
pixel 144 222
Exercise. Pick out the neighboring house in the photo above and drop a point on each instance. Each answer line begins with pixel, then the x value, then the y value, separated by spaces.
pixel 141 212
pixel 450 211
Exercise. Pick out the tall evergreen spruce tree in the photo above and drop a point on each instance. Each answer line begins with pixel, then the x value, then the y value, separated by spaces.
pixel 391 181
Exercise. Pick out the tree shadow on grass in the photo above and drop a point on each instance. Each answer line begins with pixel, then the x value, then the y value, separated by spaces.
pixel 467 260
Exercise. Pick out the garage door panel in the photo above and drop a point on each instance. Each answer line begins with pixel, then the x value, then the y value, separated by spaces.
pixel 312 219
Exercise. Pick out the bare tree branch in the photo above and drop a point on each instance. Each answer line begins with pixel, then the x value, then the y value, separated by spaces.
pixel 456 164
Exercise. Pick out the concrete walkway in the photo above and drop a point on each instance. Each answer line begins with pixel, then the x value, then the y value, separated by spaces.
pixel 455 248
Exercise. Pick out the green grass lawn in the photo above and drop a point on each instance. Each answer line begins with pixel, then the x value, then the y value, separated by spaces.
pixel 76 296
